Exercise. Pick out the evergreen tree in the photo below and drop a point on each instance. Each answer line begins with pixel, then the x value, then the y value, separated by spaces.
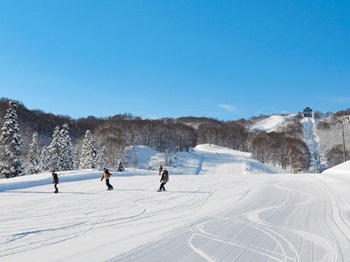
pixel 55 149
pixel 34 156
pixel 89 152
pixel 95 152
pixel 45 159
pixel 66 149
pixel 102 159
pixel 76 158
pixel 11 164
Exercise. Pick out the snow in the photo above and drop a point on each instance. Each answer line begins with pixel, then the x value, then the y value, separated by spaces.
pixel 220 205
pixel 341 169
pixel 271 123
pixel 312 141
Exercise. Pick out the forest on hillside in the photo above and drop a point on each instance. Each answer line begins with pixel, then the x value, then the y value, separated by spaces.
pixel 109 137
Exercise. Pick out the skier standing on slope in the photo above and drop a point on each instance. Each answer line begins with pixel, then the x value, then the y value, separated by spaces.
pixel 55 181
pixel 163 180
pixel 106 175
pixel 120 167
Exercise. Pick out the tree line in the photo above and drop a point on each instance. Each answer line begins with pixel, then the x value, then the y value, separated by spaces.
pixel 58 155
pixel 49 142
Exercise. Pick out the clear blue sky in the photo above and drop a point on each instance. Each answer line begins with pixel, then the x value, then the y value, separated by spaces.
pixel 223 59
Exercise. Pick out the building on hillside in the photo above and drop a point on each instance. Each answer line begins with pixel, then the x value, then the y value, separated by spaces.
pixel 307 112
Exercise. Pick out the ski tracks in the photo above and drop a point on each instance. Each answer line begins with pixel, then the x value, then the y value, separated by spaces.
pixel 267 233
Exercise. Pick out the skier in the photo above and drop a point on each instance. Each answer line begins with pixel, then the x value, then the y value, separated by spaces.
pixel 163 180
pixel 120 167
pixel 106 175
pixel 160 169
pixel 55 181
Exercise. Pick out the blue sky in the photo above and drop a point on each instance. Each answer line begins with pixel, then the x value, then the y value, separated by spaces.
pixel 222 59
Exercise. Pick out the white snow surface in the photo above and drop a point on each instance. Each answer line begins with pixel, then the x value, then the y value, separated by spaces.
pixel 271 123
pixel 220 205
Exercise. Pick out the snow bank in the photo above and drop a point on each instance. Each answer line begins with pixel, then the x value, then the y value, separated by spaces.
pixel 46 178
pixel 342 169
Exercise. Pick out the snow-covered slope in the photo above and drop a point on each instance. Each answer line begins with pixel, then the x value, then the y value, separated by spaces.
pixel 271 123
pixel 220 205
pixel 341 169
pixel 312 141
pixel 184 163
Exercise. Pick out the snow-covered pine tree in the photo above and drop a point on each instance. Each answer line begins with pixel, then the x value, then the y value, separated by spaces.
pixel 102 159
pixel 76 158
pixel 45 159
pixel 66 149
pixel 11 163
pixel 95 152
pixel 89 152
pixel 55 149
pixel 33 158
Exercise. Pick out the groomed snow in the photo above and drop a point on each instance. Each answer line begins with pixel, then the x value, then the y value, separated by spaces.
pixel 220 205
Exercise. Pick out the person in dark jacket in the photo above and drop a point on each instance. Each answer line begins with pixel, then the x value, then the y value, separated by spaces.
pixel 106 175
pixel 55 180
pixel 120 167
pixel 163 180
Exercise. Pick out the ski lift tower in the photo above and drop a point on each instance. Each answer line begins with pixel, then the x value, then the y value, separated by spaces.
pixel 307 112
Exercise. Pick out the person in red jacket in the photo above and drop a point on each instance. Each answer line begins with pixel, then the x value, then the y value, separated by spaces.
pixel 106 175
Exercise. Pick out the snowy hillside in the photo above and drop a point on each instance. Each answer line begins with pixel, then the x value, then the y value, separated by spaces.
pixel 190 163
pixel 272 123
pixel 318 140
pixel 312 140
pixel 220 205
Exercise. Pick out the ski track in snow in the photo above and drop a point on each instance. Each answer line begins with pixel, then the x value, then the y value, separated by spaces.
pixel 225 211
pixel 283 248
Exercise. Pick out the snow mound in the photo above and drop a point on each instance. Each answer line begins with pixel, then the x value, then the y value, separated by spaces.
pixel 218 149
pixel 144 157
pixel 342 169
pixel 256 167
pixel 46 178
